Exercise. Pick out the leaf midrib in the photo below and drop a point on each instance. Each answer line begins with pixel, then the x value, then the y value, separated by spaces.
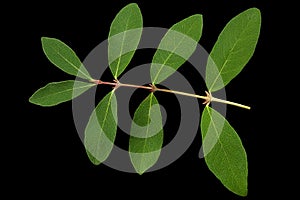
pixel 172 52
pixel 121 50
pixel 69 62
pixel 53 94
pixel 228 55
pixel 104 120
pixel 147 130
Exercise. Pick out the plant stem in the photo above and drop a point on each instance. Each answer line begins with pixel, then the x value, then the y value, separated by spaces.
pixel 214 99
pixel 136 86
pixel 181 93
pixel 208 98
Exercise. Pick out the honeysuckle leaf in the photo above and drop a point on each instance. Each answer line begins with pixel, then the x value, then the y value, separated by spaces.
pixel 101 129
pixel 58 92
pixel 124 36
pixel 146 135
pixel 175 48
pixel 63 57
pixel 224 153
pixel 233 49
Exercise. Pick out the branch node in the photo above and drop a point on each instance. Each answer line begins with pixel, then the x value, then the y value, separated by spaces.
pixel 117 85
pixel 153 87
pixel 208 98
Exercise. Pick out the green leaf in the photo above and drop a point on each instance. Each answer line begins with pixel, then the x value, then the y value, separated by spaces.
pixel 101 129
pixel 224 153
pixel 63 57
pixel 176 47
pixel 233 49
pixel 58 92
pixel 146 135
pixel 124 36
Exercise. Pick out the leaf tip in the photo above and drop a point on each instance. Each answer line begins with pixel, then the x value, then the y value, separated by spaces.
pixel 133 5
pixel 30 99
pixel 255 13
pixel 242 193
pixel 44 39
pixel 33 100
pixel 140 172
pixel 254 9
pixel 200 16
pixel 93 159
pixel 245 193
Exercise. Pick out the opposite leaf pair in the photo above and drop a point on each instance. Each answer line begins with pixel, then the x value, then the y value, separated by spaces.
pixel 174 49
pixel 222 147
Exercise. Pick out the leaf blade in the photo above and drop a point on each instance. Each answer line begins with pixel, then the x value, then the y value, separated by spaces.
pixel 176 47
pixel 58 92
pixel 101 129
pixel 146 135
pixel 63 57
pixel 224 153
pixel 124 36
pixel 233 49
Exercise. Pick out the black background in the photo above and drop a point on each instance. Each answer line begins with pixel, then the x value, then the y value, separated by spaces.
pixel 48 155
